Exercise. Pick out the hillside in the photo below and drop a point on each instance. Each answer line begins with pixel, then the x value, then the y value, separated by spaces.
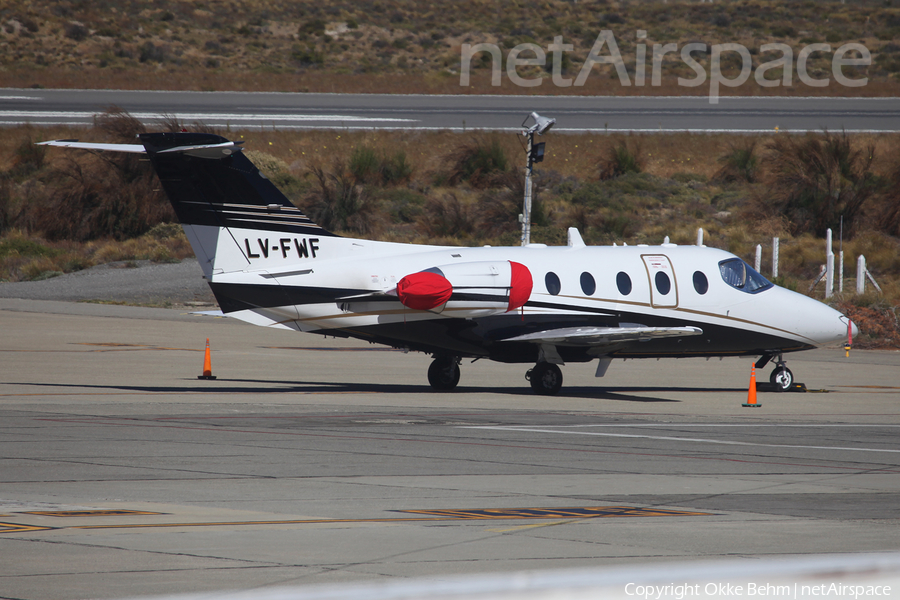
pixel 411 46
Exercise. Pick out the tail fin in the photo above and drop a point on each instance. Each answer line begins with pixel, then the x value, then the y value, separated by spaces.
pixel 214 188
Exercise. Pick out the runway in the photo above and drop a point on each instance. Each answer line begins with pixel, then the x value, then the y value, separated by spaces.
pixel 249 110
pixel 312 460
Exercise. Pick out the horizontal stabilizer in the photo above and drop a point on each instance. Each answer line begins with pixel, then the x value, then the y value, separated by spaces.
pixel 133 148
pixel 602 336
pixel 209 313
pixel 217 150
pixel 256 317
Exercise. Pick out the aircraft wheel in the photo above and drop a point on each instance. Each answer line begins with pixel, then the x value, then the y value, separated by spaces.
pixel 443 374
pixel 782 378
pixel 546 379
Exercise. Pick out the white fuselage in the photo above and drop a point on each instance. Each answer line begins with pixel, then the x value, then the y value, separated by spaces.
pixel 570 284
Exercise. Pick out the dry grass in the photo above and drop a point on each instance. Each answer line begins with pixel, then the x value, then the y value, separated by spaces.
pixel 26 257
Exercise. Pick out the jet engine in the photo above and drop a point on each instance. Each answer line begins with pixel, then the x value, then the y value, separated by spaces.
pixel 474 289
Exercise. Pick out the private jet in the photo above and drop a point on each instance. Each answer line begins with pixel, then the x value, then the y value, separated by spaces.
pixel 269 264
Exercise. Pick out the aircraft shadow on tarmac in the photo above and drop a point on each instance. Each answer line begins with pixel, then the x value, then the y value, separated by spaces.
pixel 246 386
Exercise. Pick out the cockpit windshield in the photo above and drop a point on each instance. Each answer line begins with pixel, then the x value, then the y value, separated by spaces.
pixel 742 276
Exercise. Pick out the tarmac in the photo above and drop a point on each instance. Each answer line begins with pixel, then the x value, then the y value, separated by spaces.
pixel 315 460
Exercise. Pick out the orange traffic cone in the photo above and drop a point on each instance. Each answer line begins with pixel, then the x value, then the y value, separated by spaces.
pixel 751 393
pixel 207 365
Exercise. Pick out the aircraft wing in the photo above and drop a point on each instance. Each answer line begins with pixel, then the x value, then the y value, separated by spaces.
pixel 602 336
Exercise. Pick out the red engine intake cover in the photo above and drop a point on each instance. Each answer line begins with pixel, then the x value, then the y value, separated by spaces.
pixel 424 291
pixel 520 285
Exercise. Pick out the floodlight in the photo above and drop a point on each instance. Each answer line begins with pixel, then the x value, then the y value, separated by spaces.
pixel 541 124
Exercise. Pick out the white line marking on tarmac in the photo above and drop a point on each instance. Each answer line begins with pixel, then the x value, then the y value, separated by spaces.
pixel 681 439
pixel 642 425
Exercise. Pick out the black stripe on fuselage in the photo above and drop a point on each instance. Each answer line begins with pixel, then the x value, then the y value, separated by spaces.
pixel 483 336
pixel 233 297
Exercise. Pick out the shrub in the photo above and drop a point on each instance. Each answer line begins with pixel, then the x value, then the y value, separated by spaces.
pixel 17 244
pixel 89 197
pixel 402 204
pixel 367 167
pixel 6 204
pixel 447 217
pixel 364 164
pixel 161 254
pixel 119 125
pixel 314 27
pixel 879 325
pixel 76 31
pixel 740 163
pixel 150 52
pixel 165 231
pixel 621 158
pixel 395 169
pixel 338 203
pixel 477 162
pixel 27 158
pixel 308 56
pixel 888 213
pixel 815 180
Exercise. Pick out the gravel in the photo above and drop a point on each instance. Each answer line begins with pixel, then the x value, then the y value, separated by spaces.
pixel 147 284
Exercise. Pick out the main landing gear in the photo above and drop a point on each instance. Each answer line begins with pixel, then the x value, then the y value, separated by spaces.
pixel 781 377
pixel 546 379
pixel 443 374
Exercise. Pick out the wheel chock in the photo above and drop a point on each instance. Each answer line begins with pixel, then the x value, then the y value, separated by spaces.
pixel 765 386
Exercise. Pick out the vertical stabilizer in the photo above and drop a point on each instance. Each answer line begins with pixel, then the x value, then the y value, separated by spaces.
pixel 219 195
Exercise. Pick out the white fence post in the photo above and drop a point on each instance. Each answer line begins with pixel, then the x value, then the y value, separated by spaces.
pixel 829 266
pixel 775 242
pixel 758 264
pixel 841 272
pixel 861 275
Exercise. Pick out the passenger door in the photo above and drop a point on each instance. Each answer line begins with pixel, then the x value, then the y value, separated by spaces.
pixel 661 276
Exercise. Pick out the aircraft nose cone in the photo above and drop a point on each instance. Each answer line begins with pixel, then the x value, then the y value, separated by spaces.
pixel 817 321
pixel 836 329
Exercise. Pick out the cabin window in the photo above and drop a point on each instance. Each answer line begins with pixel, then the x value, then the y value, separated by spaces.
pixel 663 283
pixel 588 285
pixel 741 276
pixel 623 282
pixel 551 280
pixel 701 283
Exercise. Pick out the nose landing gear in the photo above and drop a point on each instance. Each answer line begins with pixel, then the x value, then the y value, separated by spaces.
pixel 781 378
